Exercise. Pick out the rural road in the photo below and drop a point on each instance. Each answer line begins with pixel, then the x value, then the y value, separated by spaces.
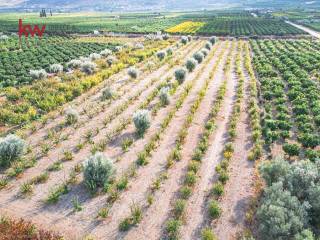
pixel 308 30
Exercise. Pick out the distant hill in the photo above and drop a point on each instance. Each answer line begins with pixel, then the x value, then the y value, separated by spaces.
pixel 149 5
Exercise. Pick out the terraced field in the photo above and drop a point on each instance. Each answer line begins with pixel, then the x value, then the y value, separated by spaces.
pixel 170 167
pixel 165 138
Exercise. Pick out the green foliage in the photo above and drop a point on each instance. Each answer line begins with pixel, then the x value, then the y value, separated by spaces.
pixel 142 121
pixel 291 149
pixel 56 68
pixel 191 64
pixel 207 234
pixel 97 171
pixel 11 149
pixel 208 45
pixel 161 55
pixel 198 56
pixel 291 200
pixel 213 209
pixel 71 116
pixel 180 75
pixel 280 214
pixel 172 228
pixel 164 96
pixel 38 74
pixel 107 94
pixel 133 72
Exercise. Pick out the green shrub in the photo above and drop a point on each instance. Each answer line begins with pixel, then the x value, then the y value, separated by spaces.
pixel 133 72
pixel 280 214
pixel 56 68
pixel 213 40
pixel 208 45
pixel 107 94
pixel 190 178
pixel 97 171
pixel 191 64
pixel 172 228
pixel 185 192
pixel 184 40
pixel 214 209
pixel 218 189
pixel 205 52
pixel 38 74
pixel 11 149
pixel 169 51
pixel 180 75
pixel 142 121
pixel 88 67
pixel 161 55
pixel 71 116
pixel 207 234
pixel 164 96
pixel 291 149
pixel 198 56
pixel 179 207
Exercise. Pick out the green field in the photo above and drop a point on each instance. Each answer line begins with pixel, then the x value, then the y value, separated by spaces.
pixel 214 23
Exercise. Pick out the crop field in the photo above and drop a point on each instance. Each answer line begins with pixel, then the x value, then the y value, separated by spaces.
pixel 161 136
pixel 200 23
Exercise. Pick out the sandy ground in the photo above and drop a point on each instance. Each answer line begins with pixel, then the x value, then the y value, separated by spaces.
pixel 151 226
pixel 61 217
pixel 239 189
pixel 34 206
pixel 197 203
pixel 138 189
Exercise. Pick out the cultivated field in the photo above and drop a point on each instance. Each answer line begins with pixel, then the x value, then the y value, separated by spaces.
pixel 161 137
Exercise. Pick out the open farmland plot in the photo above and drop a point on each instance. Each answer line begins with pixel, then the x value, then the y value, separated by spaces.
pixel 195 118
pixel 29 102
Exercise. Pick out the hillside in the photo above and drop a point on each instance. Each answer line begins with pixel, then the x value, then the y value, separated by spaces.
pixel 148 5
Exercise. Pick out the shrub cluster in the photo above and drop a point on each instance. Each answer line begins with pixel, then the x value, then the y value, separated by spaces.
pixel 161 55
pixel 180 75
pixel 164 96
pixel 290 205
pixel 88 67
pixel 22 230
pixel 198 56
pixel 71 116
pixel 133 72
pixel 11 149
pixel 141 120
pixel 191 64
pixel 56 68
pixel 98 170
pixel 38 74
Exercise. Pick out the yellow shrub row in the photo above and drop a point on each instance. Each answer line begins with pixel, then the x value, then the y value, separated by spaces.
pixel 186 27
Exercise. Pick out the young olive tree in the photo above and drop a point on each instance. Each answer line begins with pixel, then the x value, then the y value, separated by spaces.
pixel 142 121
pixel 191 64
pixel 198 56
pixel 71 116
pixel 164 96
pixel 161 55
pixel 56 68
pixel 38 74
pixel 133 72
pixel 180 75
pixel 11 149
pixel 97 171
pixel 88 67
